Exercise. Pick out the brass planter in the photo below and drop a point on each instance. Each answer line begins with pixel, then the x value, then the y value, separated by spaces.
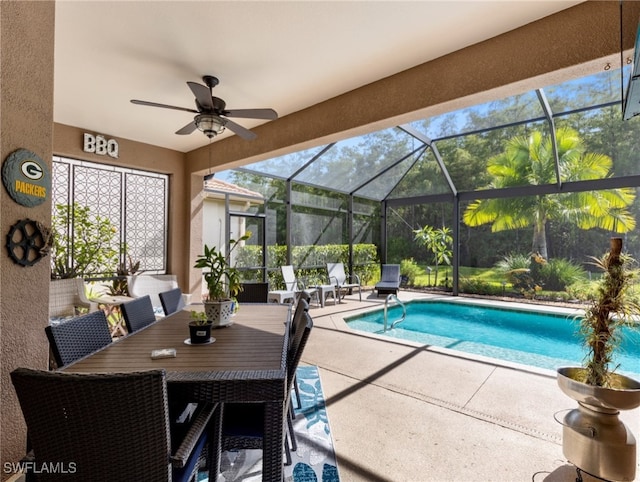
pixel 594 438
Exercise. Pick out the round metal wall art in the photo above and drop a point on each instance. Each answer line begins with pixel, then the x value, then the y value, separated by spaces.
pixel 26 177
pixel 26 242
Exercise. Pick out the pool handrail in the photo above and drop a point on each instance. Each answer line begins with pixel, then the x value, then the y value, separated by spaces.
pixel 393 297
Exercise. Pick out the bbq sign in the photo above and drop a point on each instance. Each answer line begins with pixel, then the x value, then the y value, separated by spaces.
pixel 26 178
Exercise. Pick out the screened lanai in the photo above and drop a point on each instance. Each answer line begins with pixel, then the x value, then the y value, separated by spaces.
pixel 560 152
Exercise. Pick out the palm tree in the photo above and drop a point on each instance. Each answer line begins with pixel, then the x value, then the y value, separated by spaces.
pixel 530 161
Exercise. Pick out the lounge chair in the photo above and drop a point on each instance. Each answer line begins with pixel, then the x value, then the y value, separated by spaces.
pixel 293 287
pixel 341 281
pixel 389 280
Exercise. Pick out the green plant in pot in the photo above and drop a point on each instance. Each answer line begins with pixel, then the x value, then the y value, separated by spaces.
pixel 595 440
pixel 199 328
pixel 223 282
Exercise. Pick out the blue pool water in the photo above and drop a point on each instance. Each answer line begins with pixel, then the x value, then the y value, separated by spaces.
pixel 537 339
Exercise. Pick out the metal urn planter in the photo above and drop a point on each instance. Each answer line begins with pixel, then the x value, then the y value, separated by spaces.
pixel 594 438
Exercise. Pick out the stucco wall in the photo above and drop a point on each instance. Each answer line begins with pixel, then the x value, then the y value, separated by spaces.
pixel 26 107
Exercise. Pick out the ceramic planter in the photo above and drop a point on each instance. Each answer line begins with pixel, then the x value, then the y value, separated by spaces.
pixel 219 312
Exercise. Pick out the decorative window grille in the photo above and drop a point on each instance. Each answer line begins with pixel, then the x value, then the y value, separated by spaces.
pixel 134 201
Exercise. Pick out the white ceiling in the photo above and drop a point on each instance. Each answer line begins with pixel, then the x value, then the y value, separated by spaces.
pixel 286 55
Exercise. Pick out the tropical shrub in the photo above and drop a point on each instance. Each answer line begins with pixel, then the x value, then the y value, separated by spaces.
pixel 517 271
pixel 410 269
pixel 439 243
pixel 559 273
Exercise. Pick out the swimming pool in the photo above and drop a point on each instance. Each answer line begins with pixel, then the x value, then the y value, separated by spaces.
pixel 543 340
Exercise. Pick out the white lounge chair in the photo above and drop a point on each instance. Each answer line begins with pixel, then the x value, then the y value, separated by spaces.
pixel 341 281
pixel 292 285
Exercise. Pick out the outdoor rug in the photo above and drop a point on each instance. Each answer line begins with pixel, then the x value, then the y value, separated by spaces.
pixel 314 461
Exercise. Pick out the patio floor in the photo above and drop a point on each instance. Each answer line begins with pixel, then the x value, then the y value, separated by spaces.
pixel 400 411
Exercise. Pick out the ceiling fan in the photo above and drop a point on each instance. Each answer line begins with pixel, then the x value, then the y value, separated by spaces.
pixel 212 115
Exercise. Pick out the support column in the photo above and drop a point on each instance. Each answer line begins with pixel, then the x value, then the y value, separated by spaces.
pixel 26 121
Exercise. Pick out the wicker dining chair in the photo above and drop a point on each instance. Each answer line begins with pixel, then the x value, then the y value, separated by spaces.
pixel 72 339
pixel 138 313
pixel 243 424
pixel 172 301
pixel 106 427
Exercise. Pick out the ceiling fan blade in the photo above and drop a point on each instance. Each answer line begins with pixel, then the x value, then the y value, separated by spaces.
pixel 238 129
pixel 164 106
pixel 203 95
pixel 269 114
pixel 188 129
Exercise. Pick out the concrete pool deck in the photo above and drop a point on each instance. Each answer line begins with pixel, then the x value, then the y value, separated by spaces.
pixel 400 411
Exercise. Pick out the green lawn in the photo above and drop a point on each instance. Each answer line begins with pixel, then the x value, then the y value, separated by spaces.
pixel 485 275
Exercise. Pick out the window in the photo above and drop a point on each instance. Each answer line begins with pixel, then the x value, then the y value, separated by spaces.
pixel 135 202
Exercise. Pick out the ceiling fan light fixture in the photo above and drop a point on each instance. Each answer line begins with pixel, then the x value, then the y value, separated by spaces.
pixel 210 125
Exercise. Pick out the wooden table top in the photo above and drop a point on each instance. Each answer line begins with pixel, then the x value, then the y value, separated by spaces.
pixel 255 342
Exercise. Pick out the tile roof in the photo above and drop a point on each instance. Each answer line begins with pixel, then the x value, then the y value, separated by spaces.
pixel 219 185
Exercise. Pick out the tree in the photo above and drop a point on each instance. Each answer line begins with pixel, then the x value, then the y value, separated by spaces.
pixel 530 161
pixel 83 243
pixel 438 242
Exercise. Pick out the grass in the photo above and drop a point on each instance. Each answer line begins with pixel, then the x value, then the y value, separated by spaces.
pixel 486 275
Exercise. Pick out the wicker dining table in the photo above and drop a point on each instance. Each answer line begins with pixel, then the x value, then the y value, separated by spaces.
pixel 245 362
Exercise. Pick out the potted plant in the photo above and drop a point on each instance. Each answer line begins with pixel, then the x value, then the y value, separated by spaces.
pixel 223 282
pixel 594 438
pixel 199 328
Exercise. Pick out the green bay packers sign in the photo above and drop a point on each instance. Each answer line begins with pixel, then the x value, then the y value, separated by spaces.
pixel 26 177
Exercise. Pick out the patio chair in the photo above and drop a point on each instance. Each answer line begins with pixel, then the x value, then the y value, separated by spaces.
pixel 389 280
pixel 67 298
pixel 341 281
pixel 138 313
pixel 107 427
pixel 171 301
pixel 294 286
pixel 153 285
pixel 243 423
pixel 253 293
pixel 288 294
pixel 77 337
